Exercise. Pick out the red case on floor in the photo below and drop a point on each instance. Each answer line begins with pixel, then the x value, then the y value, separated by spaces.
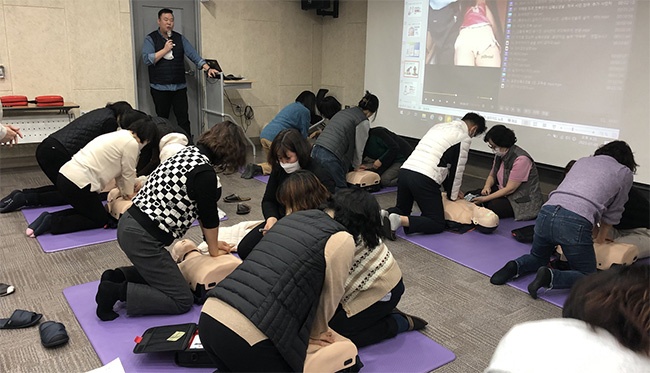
pixel 49 100
pixel 13 100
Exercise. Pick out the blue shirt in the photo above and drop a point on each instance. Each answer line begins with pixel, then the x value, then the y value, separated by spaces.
pixel 294 115
pixel 149 55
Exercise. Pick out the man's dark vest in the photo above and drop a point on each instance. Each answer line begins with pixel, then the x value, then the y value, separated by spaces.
pixel 527 199
pixel 340 133
pixel 168 71
pixel 278 286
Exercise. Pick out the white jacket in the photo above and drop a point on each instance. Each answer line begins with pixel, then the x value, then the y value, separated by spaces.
pixel 171 144
pixel 574 345
pixel 429 151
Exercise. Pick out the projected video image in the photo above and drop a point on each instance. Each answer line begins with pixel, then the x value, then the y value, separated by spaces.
pixel 509 58
pixel 466 32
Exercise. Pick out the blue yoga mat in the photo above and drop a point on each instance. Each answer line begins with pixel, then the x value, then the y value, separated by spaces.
pixel 408 352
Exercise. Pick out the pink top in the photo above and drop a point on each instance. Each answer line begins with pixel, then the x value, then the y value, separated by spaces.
pixel 476 15
pixel 520 170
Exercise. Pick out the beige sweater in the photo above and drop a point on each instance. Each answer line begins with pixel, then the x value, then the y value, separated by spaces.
pixel 110 156
pixel 339 253
pixel 373 275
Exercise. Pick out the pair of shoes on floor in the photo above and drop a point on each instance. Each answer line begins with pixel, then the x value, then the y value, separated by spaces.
pixel 243 209
pixel 14 201
pixel 251 170
pixel 235 198
pixel 415 323
pixel 41 225
pixel 52 333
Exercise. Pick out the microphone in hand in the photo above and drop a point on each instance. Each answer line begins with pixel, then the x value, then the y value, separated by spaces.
pixel 169 37
pixel 169 55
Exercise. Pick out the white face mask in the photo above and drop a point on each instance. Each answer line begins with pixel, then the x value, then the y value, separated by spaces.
pixel 290 167
pixel 499 151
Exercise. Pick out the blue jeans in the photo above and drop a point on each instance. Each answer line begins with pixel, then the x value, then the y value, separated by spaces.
pixel 556 225
pixel 332 164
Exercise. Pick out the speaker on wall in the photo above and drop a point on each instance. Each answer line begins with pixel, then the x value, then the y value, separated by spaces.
pixel 322 7
pixel 314 4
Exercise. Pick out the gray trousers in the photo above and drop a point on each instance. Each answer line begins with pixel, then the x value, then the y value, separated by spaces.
pixel 165 290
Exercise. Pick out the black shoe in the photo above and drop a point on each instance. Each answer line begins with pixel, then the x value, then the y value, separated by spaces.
pixel 542 280
pixel 415 323
pixel 505 274
pixel 243 209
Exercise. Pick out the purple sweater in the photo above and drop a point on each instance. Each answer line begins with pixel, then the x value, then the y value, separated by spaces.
pixel 596 188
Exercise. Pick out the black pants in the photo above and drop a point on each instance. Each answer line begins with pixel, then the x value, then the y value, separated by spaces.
pixel 415 187
pixel 51 155
pixel 249 241
pixel 166 100
pixel 47 195
pixel 372 325
pixel 87 210
pixel 231 353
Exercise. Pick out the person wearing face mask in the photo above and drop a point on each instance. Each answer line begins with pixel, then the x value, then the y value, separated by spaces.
pixel 512 187
pixel 289 152
pixel 111 156
pixel 437 161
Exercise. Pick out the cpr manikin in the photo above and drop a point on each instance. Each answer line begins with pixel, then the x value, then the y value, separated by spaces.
pixel 202 272
pixel 465 212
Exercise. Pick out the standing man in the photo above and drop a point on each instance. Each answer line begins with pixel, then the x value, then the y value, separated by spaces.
pixel 164 52
pixel 437 161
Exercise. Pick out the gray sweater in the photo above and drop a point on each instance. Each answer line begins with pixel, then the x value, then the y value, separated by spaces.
pixel 596 188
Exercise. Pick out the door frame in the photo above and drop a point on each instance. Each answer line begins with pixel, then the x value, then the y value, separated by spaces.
pixel 198 124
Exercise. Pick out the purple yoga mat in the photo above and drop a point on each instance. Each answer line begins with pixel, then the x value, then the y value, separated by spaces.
pixel 51 243
pixel 408 352
pixel 265 180
pixel 485 253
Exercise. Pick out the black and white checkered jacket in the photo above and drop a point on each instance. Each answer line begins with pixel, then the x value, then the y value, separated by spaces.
pixel 164 197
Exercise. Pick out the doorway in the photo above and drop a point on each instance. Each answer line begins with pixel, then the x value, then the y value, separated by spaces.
pixel 144 15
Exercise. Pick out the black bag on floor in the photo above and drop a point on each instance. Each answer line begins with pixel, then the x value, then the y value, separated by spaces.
pixel 524 234
pixel 181 339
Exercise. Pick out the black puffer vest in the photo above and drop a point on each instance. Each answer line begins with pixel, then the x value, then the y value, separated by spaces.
pixel 168 71
pixel 278 286
pixel 86 128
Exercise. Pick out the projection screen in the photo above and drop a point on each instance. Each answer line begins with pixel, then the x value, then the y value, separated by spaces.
pixel 565 75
